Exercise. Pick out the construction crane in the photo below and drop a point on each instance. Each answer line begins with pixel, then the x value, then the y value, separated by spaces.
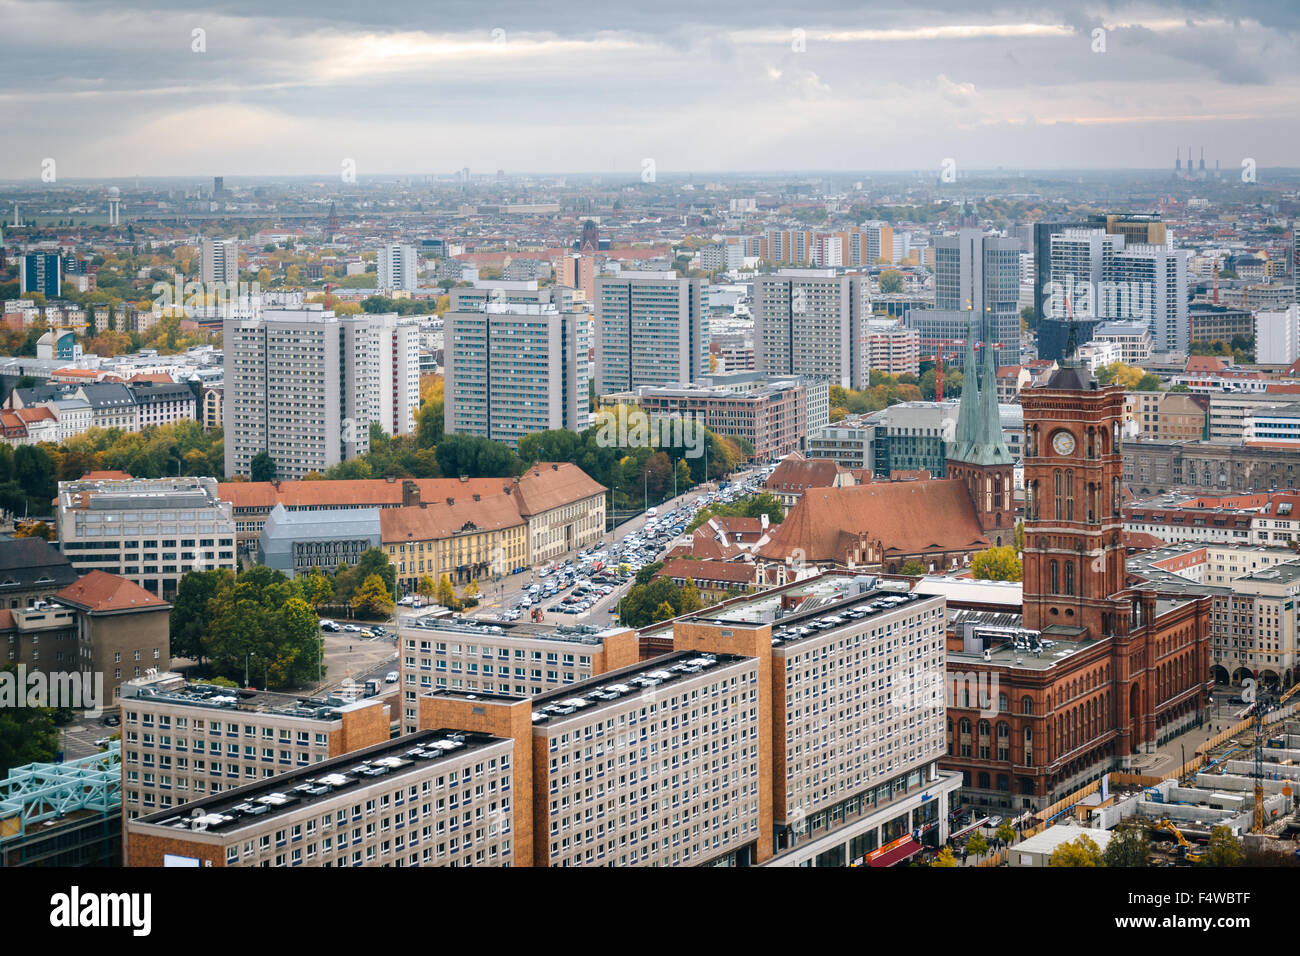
pixel 1262 706
pixel 1187 852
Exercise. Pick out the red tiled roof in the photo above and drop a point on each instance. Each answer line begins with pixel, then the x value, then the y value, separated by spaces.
pixel 101 592
pixel 160 377
pixel 549 485
pixel 440 520
pixel 1204 363
pixel 796 473
pixel 732 572
pixel 906 517
pixel 106 476
pixel 36 414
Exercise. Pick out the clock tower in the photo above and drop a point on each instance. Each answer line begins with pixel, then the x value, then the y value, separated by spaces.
pixel 1074 559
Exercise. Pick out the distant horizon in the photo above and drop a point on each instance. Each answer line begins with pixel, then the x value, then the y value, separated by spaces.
pixel 1229 175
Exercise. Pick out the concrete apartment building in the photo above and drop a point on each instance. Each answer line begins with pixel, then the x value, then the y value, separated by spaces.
pixel 975 275
pixel 1133 339
pixel 652 328
pixel 1169 416
pixel 772 417
pixel 514 369
pixel 305 385
pixel 1208 322
pixel 183 742
pixel 510 658
pixel 219 261
pixel 849 443
pixel 811 322
pixel 734 748
pixel 147 530
pixel 397 267
pixel 428 799
pixel 891 348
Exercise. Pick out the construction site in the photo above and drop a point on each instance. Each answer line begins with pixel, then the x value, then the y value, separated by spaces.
pixel 1246 779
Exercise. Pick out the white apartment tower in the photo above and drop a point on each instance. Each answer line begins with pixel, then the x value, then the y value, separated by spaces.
pixel 809 322
pixel 219 261
pixel 652 328
pixel 514 368
pixel 304 386
pixel 397 267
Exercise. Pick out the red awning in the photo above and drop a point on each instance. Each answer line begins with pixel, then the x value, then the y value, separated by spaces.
pixel 898 854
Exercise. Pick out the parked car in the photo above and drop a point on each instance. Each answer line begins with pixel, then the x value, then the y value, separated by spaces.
pixel 391 677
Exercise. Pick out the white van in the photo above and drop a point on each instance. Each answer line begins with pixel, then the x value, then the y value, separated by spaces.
pixel 652 512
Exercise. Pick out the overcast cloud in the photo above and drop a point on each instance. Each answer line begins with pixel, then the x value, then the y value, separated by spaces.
pixel 401 87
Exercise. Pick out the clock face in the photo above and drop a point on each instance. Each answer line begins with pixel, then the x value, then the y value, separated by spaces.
pixel 1063 443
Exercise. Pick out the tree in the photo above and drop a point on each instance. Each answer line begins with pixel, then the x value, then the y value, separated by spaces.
pixel 996 564
pixel 912 568
pixel 316 588
pixel 373 598
pixel 1080 852
pixel 34 529
pixel 1223 849
pixel 1180 388
pixel 1006 833
pixel 944 858
pixel 1148 383
pixel 1127 375
pixel 471 590
pixel 426 587
pixel 262 467
pixel 476 457
pixel 977 845
pixel 1128 846
pixel 1019 535
pixel 690 600
pixel 27 734
pixel 446 594
pixel 191 610
pixel 891 282
pixel 663 612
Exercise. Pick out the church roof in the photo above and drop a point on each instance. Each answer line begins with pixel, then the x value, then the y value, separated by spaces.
pixel 979 428
pixel 906 517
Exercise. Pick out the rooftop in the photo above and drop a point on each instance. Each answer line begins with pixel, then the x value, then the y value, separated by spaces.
pixel 172 688
pixel 466 627
pixel 255 803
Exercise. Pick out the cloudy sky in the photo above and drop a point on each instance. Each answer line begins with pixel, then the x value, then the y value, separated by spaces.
pixel 129 87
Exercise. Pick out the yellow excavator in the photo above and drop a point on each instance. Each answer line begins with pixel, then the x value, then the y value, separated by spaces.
pixel 1264 704
pixel 1186 850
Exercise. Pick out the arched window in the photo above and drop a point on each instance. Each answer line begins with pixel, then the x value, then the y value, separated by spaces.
pixel 1069 577
pixel 1059 482
pixel 1026 704
pixel 1056 577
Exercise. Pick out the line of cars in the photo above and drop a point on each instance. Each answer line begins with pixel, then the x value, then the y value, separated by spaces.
pixel 368 631
pixel 600 569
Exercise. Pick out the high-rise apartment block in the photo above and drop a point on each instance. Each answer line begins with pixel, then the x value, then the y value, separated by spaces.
pixel 729 748
pixel 514 369
pixel 219 261
pixel 1098 275
pixel 185 741
pixel 397 268
pixel 980 274
pixel 304 386
pixel 652 328
pixel 810 322
pixel 41 272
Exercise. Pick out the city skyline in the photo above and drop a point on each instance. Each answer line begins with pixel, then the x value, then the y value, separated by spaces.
pixel 299 92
